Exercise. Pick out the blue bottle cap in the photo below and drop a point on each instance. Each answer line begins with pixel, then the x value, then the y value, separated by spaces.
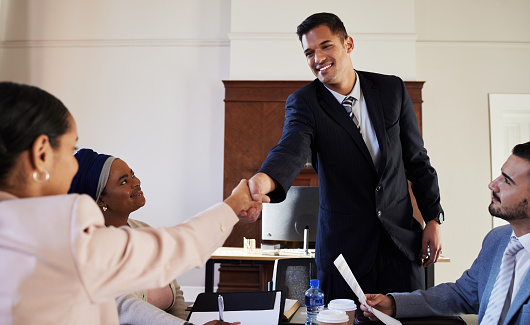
pixel 314 282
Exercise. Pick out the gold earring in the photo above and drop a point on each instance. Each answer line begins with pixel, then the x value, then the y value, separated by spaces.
pixel 104 208
pixel 46 176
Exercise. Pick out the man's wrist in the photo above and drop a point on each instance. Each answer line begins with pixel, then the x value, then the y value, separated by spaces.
pixel 393 305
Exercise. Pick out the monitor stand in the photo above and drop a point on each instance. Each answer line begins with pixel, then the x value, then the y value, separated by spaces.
pixel 306 241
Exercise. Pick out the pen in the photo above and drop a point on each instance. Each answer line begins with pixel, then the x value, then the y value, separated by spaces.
pixel 221 302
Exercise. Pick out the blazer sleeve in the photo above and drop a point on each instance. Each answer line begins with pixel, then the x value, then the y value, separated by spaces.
pixel 133 310
pixel 461 297
pixel 114 261
pixel 420 173
pixel 178 308
pixel 446 299
pixel 286 159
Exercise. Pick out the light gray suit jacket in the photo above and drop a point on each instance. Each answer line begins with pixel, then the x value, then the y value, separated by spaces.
pixel 469 294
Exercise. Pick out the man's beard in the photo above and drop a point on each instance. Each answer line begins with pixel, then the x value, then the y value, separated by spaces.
pixel 518 212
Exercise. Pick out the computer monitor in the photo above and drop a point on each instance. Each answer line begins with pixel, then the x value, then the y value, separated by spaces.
pixel 287 220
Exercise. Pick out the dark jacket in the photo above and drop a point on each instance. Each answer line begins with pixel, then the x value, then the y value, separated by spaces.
pixel 358 201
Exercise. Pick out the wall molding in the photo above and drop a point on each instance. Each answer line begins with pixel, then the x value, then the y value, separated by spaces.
pixel 293 36
pixel 382 37
pixel 365 37
pixel 18 44
pixel 481 44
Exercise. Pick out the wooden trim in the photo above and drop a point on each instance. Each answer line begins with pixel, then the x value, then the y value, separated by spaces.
pixel 260 91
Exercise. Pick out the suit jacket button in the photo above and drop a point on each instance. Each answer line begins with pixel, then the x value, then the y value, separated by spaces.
pixel 379 213
pixel 378 188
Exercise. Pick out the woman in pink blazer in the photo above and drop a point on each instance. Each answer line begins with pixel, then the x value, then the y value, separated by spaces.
pixel 59 263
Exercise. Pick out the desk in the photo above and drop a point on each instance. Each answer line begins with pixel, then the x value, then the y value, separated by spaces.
pixel 238 256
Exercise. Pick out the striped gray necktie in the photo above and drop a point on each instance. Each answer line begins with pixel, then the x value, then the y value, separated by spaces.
pixel 502 284
pixel 348 104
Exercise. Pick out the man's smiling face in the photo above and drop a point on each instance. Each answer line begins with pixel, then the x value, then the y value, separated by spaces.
pixel 328 56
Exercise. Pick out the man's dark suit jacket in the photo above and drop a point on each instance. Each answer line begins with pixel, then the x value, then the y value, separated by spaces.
pixel 358 201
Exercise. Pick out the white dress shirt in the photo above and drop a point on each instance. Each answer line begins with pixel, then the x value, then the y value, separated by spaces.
pixel 365 124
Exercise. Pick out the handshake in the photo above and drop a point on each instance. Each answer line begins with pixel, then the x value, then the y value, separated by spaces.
pixel 247 197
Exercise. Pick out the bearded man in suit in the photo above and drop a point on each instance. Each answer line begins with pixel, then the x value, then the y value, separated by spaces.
pixel 364 155
pixel 479 289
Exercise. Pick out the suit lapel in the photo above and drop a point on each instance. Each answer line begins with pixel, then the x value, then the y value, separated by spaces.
pixel 375 110
pixel 522 296
pixel 329 103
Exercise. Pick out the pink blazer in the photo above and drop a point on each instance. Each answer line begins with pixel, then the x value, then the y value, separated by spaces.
pixel 59 264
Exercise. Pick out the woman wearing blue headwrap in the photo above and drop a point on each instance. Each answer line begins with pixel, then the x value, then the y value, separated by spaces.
pixel 92 174
pixel 116 190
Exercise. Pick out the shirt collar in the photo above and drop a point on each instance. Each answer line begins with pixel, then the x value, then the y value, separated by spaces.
pixel 524 240
pixel 355 92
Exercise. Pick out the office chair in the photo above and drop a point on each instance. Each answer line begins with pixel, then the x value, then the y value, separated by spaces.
pixel 292 275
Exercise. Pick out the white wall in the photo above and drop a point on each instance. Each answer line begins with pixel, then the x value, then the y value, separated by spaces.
pixel 466 50
pixel 143 80
pixel 264 45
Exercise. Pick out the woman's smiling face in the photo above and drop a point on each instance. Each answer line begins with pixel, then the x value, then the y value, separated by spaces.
pixel 123 193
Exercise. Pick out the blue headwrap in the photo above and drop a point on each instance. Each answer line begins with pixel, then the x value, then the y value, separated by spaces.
pixel 93 173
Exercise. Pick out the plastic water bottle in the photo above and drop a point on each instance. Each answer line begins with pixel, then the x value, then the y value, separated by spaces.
pixel 314 301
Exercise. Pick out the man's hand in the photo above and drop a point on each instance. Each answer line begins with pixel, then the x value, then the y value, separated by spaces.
pixel 382 303
pixel 259 185
pixel 432 239
pixel 241 202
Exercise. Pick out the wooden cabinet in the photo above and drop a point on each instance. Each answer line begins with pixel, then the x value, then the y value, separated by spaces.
pixel 254 117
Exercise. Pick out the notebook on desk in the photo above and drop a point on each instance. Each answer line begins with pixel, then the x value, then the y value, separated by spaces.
pixel 252 308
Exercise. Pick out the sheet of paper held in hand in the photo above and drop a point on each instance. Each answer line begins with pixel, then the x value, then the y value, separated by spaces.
pixel 347 274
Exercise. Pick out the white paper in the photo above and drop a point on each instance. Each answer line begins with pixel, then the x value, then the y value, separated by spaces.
pixel 348 276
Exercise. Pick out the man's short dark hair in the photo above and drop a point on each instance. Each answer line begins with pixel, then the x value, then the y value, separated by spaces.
pixel 522 151
pixel 332 21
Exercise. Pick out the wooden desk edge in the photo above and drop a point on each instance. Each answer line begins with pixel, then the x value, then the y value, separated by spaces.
pixel 240 255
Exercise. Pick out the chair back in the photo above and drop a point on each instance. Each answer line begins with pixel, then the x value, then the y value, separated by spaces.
pixel 292 275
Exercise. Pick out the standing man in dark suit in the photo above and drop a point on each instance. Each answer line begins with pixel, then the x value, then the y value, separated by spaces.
pixel 363 160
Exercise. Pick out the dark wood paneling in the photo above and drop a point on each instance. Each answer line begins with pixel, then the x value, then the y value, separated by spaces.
pixel 254 116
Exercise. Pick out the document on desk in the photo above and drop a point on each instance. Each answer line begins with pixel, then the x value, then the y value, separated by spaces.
pixel 347 274
pixel 248 308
